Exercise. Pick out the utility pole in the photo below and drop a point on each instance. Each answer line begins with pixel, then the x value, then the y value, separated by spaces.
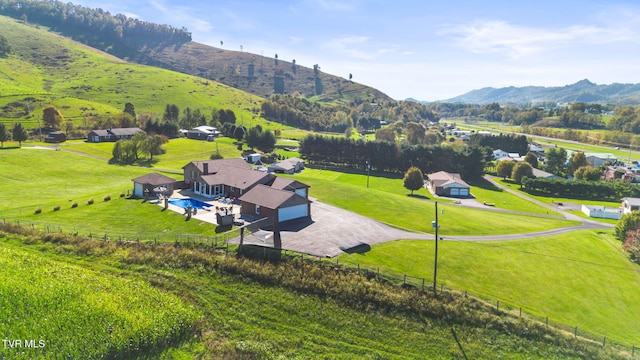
pixel 435 225
pixel 368 168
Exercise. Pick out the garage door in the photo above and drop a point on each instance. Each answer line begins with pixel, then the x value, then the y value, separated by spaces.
pixel 464 192
pixel 455 192
pixel 293 212
pixel 138 190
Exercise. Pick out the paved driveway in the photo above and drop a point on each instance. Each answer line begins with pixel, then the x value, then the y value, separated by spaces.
pixel 331 232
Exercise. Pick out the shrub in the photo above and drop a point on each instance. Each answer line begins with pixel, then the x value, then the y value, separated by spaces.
pixel 74 205
pixel 38 210
pixel 107 198
pixel 122 195
pixel 90 201
pixel 56 208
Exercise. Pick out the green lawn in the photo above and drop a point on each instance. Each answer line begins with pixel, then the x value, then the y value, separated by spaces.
pixel 388 201
pixel 579 279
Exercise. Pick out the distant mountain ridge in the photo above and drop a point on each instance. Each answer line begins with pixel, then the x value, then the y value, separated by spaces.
pixel 581 91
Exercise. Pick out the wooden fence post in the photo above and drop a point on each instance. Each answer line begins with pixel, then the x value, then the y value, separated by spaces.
pixel 404 281
pixel 547 322
pixel 497 305
pixel 575 332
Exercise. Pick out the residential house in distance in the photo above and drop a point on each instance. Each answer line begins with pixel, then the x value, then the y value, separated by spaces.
pixel 112 135
pixel 202 133
pixel 499 154
pixel 443 183
pixel 55 137
pixel 599 159
pixel 288 166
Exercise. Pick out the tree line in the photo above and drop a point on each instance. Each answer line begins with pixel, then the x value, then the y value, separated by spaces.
pixel 581 189
pixel 385 156
pixel 95 27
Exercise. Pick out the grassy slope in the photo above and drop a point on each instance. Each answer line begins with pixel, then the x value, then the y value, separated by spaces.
pixel 81 81
pixel 581 278
pixel 245 319
pixel 52 301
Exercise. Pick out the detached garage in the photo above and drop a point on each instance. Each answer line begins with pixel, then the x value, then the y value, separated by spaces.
pixel 448 184
pixel 277 205
pixel 144 186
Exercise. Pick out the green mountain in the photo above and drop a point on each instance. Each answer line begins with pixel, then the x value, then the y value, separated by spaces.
pixel 46 68
pixel 170 48
pixel 581 91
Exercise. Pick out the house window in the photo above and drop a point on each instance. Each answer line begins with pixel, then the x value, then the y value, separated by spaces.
pixel 193 175
pixel 232 188
pixel 257 209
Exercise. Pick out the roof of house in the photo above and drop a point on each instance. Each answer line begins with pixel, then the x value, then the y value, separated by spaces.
pixel 287 164
pixel 271 198
pixel 236 177
pixel 599 155
pixel 632 201
pixel 205 129
pixel 118 131
pixel 154 179
pixel 216 165
pixel 443 178
pixel 542 174
pixel 125 131
pixel 287 184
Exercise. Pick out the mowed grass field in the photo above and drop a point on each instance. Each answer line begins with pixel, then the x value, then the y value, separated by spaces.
pixel 388 201
pixel 579 279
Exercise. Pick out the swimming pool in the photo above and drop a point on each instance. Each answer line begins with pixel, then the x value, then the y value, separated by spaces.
pixel 183 203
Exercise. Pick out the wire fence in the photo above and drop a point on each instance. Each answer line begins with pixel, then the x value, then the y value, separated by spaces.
pixel 223 241
pixel 426 284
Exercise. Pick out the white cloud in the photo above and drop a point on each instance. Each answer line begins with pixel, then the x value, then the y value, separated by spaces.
pixel 340 6
pixel 500 37
pixel 182 15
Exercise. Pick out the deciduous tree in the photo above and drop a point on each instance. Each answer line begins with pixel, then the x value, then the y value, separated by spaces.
pixel 52 118
pixel 521 170
pixel 504 168
pixel 556 159
pixel 578 160
pixel 588 173
pixel 413 179
pixel 629 221
pixel 532 159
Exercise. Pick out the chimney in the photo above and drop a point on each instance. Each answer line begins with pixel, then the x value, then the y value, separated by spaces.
pixel 205 167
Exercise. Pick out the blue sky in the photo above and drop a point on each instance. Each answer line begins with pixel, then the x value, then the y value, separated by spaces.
pixel 428 50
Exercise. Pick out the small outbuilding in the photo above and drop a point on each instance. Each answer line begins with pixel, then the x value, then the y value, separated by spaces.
pixel 55 137
pixel 288 166
pixel 443 183
pixel 147 186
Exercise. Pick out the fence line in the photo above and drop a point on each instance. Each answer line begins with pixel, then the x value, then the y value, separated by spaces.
pixel 221 241
pixel 426 284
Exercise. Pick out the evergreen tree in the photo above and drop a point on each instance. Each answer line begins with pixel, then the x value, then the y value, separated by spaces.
pixel 19 133
pixel 4 134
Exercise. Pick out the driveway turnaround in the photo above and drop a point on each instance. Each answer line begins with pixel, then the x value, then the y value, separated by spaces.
pixel 331 232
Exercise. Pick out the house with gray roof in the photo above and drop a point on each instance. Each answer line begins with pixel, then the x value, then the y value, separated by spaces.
pixel 112 135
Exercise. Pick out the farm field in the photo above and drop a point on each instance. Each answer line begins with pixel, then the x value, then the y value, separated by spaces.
pixel 579 279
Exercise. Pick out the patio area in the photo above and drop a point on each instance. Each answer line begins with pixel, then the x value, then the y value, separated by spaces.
pixel 223 206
